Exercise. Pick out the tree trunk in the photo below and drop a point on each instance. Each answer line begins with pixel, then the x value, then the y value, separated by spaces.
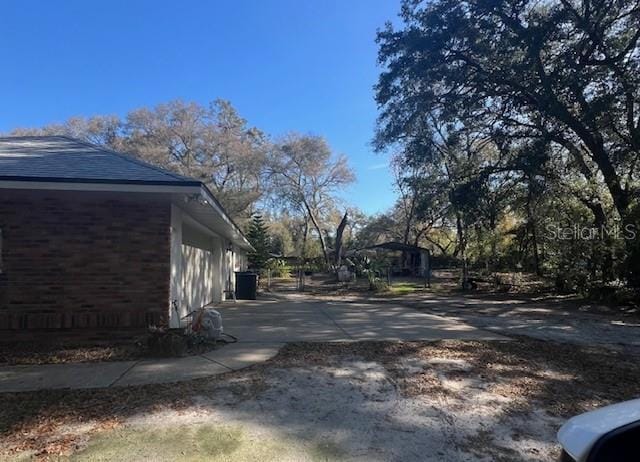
pixel 339 233
pixel 494 252
pixel 531 225
pixel 316 225
pixel 482 258
pixel 303 256
pixel 462 251
pixel 303 251
pixel 536 254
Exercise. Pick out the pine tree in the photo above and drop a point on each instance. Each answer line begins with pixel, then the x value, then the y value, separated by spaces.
pixel 259 239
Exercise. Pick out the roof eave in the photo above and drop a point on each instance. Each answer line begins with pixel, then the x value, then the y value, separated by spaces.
pixel 245 244
pixel 31 179
pixel 83 184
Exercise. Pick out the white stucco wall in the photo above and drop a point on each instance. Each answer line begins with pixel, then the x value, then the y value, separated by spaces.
pixel 195 266
pixel 176 268
pixel 201 265
pixel 240 262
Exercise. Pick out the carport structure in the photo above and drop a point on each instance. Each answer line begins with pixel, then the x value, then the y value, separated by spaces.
pixel 404 259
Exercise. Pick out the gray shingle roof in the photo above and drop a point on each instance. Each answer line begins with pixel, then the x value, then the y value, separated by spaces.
pixel 63 159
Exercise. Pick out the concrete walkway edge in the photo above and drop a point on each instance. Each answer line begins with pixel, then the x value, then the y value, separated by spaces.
pixel 127 373
pixel 264 326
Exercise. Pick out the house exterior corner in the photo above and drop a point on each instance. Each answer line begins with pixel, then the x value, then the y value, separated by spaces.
pixel 84 262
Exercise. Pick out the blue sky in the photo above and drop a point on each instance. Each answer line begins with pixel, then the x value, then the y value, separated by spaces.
pixel 289 65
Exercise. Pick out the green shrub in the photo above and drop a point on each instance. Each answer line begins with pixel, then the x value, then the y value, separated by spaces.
pixel 279 268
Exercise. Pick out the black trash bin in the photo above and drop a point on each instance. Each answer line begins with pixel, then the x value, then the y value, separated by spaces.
pixel 246 285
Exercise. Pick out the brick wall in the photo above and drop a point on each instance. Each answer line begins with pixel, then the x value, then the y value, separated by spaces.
pixel 83 261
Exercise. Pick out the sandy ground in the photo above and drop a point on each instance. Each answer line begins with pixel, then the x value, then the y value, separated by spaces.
pixel 374 401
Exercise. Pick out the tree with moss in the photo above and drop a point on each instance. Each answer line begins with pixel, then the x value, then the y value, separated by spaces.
pixel 506 104
pixel 258 236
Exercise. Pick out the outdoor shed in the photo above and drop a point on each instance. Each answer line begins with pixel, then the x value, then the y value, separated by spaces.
pixel 404 259
pixel 92 240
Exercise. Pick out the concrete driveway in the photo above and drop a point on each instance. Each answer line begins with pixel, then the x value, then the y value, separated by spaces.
pixel 262 327
pixel 300 318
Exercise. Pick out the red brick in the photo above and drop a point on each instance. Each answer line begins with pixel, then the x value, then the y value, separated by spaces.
pixel 83 260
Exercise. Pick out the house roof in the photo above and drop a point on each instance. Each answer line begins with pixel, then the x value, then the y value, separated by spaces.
pixel 398 246
pixel 60 162
pixel 63 159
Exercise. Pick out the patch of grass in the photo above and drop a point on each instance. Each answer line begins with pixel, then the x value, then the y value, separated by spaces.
pixel 404 288
pixel 30 421
pixel 327 451
pixel 215 443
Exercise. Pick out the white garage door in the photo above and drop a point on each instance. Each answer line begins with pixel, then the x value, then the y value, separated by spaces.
pixel 199 273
